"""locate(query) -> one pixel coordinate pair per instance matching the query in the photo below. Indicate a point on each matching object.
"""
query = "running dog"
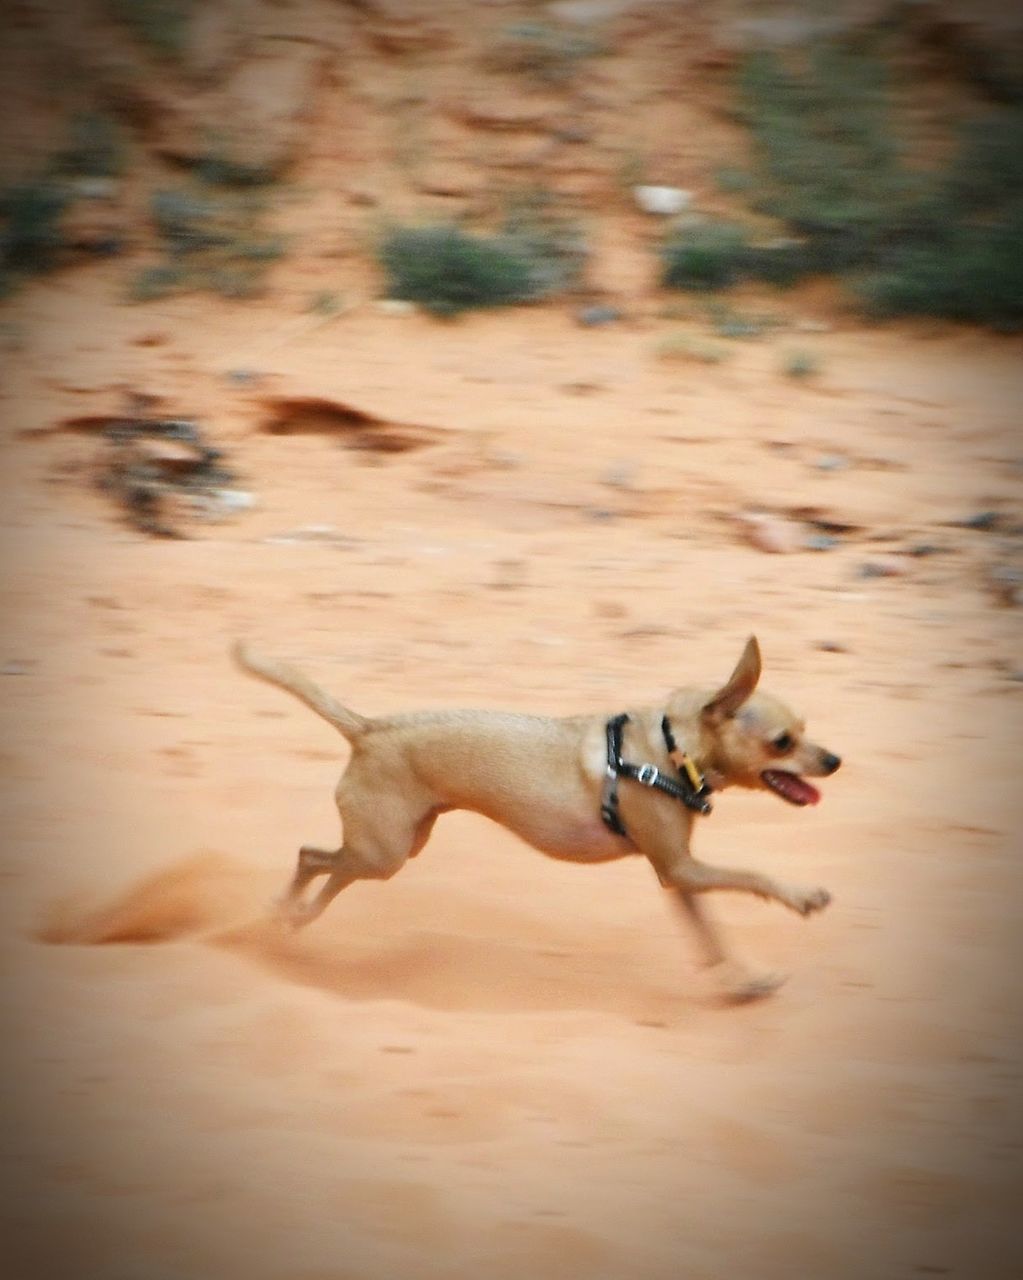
(570, 787)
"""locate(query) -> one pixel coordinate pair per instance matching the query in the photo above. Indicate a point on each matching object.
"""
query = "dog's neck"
(683, 711)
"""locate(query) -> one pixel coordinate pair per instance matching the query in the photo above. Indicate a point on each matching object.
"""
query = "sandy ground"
(495, 1065)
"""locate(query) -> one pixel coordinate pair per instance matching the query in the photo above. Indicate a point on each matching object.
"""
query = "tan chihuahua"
(555, 784)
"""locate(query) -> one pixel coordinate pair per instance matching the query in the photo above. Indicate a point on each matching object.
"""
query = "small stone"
(325, 533)
(573, 134)
(487, 112)
(96, 188)
(14, 668)
(506, 459)
(831, 462)
(12, 337)
(822, 542)
(982, 520)
(586, 12)
(665, 202)
(363, 197)
(883, 567)
(509, 575)
(243, 377)
(594, 316)
(769, 533)
(622, 475)
(151, 338)
(449, 180)
(94, 227)
(396, 307)
(231, 500)
(830, 646)
(1006, 583)
(167, 454)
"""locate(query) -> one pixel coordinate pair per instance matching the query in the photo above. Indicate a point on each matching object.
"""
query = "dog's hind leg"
(345, 867)
(311, 863)
(373, 852)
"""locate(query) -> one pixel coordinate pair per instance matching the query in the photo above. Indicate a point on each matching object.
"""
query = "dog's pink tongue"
(808, 792)
(790, 785)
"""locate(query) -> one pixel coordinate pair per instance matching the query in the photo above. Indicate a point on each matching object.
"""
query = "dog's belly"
(566, 837)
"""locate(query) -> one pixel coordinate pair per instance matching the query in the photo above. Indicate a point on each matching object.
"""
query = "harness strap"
(609, 798)
(685, 763)
(690, 787)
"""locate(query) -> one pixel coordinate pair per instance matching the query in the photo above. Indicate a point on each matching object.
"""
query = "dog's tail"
(348, 723)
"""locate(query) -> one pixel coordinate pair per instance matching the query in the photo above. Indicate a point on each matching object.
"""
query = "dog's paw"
(807, 901)
(291, 914)
(740, 986)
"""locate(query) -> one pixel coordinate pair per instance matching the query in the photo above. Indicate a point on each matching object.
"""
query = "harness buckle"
(648, 774)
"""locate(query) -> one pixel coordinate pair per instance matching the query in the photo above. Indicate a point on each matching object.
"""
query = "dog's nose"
(831, 762)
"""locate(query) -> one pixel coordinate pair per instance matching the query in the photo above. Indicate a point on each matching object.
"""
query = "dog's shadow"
(514, 967)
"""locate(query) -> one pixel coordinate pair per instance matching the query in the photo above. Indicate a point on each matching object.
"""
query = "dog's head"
(750, 739)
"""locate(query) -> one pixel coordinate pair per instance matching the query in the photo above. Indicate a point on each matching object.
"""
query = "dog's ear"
(741, 683)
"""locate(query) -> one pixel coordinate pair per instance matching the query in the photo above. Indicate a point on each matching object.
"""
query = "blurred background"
(510, 354)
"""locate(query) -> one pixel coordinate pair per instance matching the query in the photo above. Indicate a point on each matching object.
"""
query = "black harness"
(690, 786)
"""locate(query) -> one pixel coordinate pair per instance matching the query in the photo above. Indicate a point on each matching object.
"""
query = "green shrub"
(831, 166)
(94, 147)
(785, 260)
(30, 236)
(683, 347)
(217, 168)
(733, 180)
(156, 281)
(706, 256)
(972, 273)
(553, 244)
(715, 255)
(449, 270)
(160, 24)
(800, 364)
(214, 242)
(186, 220)
(546, 52)
(326, 303)
(729, 323)
(962, 258)
(987, 170)
(942, 243)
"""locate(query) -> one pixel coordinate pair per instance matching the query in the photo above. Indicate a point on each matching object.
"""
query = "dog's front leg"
(687, 879)
(706, 931)
(737, 982)
(690, 876)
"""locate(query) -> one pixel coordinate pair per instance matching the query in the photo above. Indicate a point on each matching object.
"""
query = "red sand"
(495, 1065)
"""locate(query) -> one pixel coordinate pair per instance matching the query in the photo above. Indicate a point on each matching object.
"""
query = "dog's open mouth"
(790, 786)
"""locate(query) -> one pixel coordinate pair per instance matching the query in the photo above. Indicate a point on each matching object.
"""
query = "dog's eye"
(783, 743)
